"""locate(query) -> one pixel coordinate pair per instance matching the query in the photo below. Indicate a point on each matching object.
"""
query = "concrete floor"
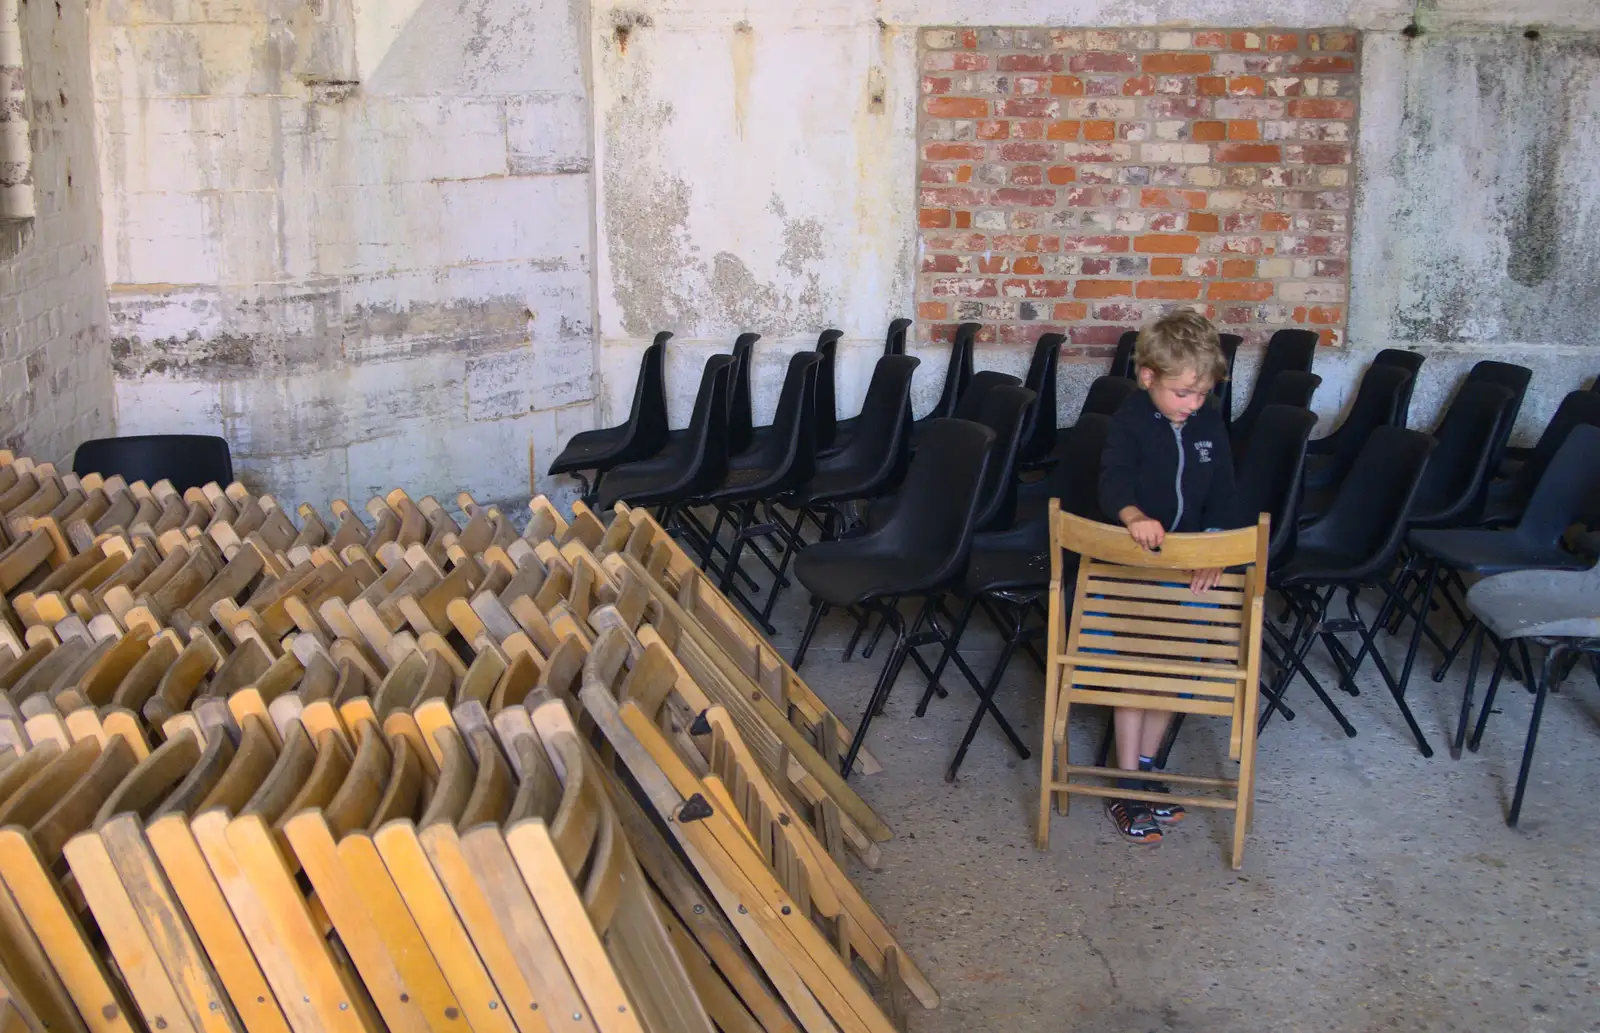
(1380, 890)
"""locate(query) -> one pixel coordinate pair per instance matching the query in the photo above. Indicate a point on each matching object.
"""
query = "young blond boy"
(1167, 467)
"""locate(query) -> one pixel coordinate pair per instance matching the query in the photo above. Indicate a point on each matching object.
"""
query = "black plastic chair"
(827, 394)
(1450, 495)
(1378, 403)
(1106, 395)
(1452, 491)
(1122, 358)
(1294, 388)
(998, 402)
(1039, 436)
(782, 461)
(1508, 375)
(1508, 498)
(185, 460)
(894, 343)
(1407, 360)
(872, 465)
(957, 375)
(1269, 475)
(1033, 499)
(976, 396)
(641, 437)
(1008, 576)
(1005, 411)
(1288, 350)
(921, 551)
(874, 461)
(1562, 498)
(691, 466)
(1351, 547)
(741, 407)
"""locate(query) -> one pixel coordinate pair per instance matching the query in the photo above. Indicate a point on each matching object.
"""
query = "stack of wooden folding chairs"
(418, 774)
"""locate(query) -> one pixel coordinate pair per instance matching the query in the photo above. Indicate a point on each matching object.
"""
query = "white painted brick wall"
(55, 371)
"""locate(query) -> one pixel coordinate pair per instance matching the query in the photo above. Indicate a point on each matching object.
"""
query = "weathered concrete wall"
(1478, 201)
(749, 160)
(353, 239)
(55, 369)
(718, 129)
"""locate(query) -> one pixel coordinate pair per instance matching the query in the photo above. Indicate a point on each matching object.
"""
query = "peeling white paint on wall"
(55, 375)
(359, 242)
(749, 163)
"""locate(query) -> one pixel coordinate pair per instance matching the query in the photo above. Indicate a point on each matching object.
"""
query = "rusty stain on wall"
(744, 56)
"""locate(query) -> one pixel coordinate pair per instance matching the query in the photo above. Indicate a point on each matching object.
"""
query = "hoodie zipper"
(1177, 484)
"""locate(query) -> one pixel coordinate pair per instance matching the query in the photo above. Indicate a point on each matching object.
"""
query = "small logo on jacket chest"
(1202, 451)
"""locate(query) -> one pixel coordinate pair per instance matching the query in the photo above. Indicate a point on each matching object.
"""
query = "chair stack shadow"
(411, 774)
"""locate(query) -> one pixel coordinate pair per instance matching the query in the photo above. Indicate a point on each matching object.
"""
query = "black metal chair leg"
(1404, 579)
(1269, 690)
(880, 694)
(1395, 691)
(1466, 695)
(1421, 617)
(1169, 740)
(791, 546)
(1454, 650)
(1488, 700)
(872, 643)
(1297, 663)
(817, 608)
(713, 546)
(855, 636)
(944, 658)
(741, 520)
(1280, 681)
(986, 704)
(1551, 657)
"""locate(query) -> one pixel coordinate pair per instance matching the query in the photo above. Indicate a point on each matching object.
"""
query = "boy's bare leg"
(1153, 731)
(1139, 734)
(1130, 722)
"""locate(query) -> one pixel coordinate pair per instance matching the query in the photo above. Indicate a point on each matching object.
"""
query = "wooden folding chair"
(1133, 634)
(478, 873)
(38, 818)
(617, 908)
(820, 989)
(661, 556)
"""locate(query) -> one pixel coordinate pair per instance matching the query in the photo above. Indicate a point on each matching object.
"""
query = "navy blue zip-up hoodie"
(1179, 474)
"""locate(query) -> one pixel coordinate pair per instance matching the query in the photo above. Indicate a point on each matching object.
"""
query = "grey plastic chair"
(1559, 610)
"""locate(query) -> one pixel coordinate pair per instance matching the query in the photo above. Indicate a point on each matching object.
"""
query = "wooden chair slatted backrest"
(1130, 632)
(624, 915)
(1136, 625)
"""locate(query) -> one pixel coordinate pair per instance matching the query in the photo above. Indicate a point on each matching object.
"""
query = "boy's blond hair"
(1179, 341)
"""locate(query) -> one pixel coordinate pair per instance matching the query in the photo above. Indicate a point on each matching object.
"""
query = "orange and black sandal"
(1133, 821)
